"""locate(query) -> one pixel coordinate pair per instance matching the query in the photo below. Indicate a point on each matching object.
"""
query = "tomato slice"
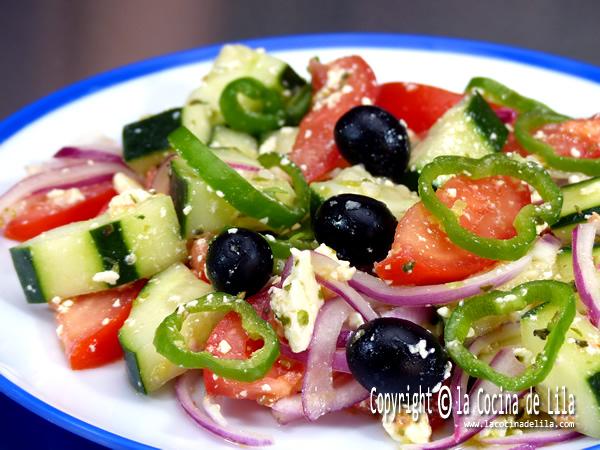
(229, 340)
(423, 254)
(419, 105)
(198, 250)
(88, 325)
(577, 138)
(40, 213)
(338, 87)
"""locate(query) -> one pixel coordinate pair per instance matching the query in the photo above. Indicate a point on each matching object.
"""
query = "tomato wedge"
(41, 212)
(229, 340)
(88, 325)
(578, 138)
(338, 87)
(423, 254)
(419, 105)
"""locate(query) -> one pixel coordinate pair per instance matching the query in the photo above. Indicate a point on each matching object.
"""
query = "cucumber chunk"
(577, 366)
(224, 137)
(145, 141)
(469, 129)
(580, 200)
(236, 61)
(147, 369)
(198, 208)
(279, 141)
(196, 116)
(564, 263)
(134, 243)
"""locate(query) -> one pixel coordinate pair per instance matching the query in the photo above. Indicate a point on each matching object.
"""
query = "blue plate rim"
(30, 113)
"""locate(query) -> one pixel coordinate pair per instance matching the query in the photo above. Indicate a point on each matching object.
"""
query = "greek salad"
(332, 244)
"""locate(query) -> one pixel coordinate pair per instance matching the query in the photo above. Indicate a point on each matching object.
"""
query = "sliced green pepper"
(532, 120)
(170, 343)
(500, 94)
(525, 221)
(270, 116)
(282, 247)
(236, 190)
(499, 303)
(298, 105)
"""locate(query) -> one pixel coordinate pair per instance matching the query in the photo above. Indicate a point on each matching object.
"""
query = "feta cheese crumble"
(108, 276)
(298, 302)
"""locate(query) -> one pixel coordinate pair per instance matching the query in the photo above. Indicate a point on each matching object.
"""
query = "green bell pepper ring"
(499, 303)
(271, 115)
(500, 94)
(525, 221)
(298, 105)
(528, 122)
(170, 343)
(236, 190)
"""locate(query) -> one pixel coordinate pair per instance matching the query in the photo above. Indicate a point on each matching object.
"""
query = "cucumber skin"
(25, 268)
(133, 369)
(564, 227)
(153, 137)
(113, 251)
(179, 193)
(487, 122)
(594, 382)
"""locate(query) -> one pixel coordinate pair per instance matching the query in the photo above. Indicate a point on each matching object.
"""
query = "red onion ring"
(339, 362)
(536, 439)
(445, 293)
(460, 380)
(161, 181)
(353, 298)
(72, 176)
(506, 115)
(319, 396)
(88, 154)
(243, 167)
(88, 182)
(584, 270)
(418, 314)
(505, 361)
(290, 409)
(191, 381)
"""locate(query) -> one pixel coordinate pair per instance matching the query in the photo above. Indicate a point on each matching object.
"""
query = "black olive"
(371, 136)
(359, 228)
(389, 354)
(239, 260)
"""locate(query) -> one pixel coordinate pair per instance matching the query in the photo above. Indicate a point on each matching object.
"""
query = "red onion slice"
(353, 298)
(71, 176)
(242, 167)
(319, 396)
(418, 314)
(504, 361)
(460, 380)
(338, 364)
(506, 115)
(161, 181)
(536, 438)
(586, 279)
(89, 154)
(440, 294)
(88, 182)
(212, 421)
(289, 409)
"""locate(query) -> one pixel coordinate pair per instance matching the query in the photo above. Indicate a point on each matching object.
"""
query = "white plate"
(99, 404)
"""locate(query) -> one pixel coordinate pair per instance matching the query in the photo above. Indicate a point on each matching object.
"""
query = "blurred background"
(48, 44)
